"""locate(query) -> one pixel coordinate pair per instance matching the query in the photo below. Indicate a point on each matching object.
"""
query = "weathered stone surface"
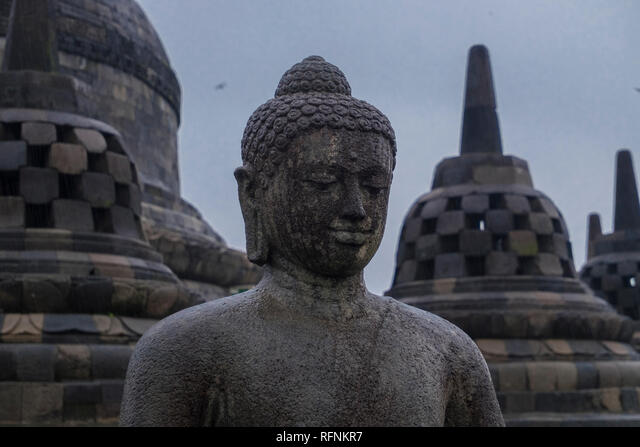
(73, 362)
(328, 228)
(92, 140)
(499, 263)
(475, 242)
(97, 189)
(477, 203)
(524, 243)
(517, 204)
(68, 158)
(12, 212)
(499, 221)
(449, 265)
(11, 398)
(38, 185)
(38, 134)
(119, 167)
(13, 155)
(74, 215)
(450, 222)
(123, 222)
(42, 402)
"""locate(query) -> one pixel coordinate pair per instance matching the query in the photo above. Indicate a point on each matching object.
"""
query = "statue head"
(317, 168)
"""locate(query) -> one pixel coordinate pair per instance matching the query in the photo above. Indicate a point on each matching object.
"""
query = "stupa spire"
(480, 127)
(594, 231)
(31, 39)
(627, 207)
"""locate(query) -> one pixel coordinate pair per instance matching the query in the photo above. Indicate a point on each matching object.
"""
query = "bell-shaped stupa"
(79, 283)
(115, 57)
(612, 269)
(491, 254)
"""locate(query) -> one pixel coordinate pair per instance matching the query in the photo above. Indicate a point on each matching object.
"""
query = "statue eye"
(321, 182)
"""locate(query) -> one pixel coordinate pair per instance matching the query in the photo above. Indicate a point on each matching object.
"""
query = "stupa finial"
(627, 207)
(31, 39)
(480, 127)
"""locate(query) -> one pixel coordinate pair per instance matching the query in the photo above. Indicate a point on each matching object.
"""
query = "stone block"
(499, 221)
(548, 207)
(522, 242)
(124, 223)
(119, 167)
(560, 245)
(412, 229)
(82, 393)
(109, 362)
(541, 376)
(38, 186)
(433, 208)
(10, 403)
(519, 402)
(38, 134)
(79, 413)
(450, 222)
(39, 295)
(427, 246)
(35, 363)
(68, 158)
(42, 402)
(13, 155)
(407, 271)
(587, 375)
(513, 377)
(97, 189)
(74, 215)
(73, 362)
(129, 196)
(598, 270)
(499, 263)
(567, 376)
(449, 265)
(12, 213)
(476, 203)
(475, 242)
(629, 400)
(611, 282)
(8, 364)
(91, 139)
(517, 204)
(628, 268)
(545, 264)
(540, 223)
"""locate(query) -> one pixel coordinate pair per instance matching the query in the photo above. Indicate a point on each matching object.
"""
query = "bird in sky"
(221, 86)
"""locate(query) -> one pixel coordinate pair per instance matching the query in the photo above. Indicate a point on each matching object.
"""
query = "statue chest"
(321, 379)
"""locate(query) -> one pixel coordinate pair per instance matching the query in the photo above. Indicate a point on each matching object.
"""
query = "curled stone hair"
(313, 94)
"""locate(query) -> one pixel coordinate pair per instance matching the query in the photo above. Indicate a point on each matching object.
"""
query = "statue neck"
(300, 290)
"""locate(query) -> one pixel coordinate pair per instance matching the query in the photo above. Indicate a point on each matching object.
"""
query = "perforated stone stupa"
(79, 284)
(113, 54)
(488, 252)
(612, 269)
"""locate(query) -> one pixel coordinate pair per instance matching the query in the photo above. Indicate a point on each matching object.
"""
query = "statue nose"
(352, 207)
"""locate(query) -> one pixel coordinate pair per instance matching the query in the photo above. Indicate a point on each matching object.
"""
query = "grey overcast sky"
(565, 73)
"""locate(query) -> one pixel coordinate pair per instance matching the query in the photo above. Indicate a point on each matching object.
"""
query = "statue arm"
(160, 389)
(472, 400)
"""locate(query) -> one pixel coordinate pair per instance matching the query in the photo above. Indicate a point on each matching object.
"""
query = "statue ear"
(257, 244)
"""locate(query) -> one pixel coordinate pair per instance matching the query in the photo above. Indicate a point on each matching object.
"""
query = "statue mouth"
(347, 237)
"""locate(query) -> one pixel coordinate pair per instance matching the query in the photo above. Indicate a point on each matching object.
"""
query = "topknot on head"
(313, 75)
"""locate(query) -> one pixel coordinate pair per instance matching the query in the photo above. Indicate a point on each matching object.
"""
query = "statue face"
(326, 207)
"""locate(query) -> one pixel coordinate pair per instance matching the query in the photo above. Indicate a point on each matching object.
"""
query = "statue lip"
(350, 236)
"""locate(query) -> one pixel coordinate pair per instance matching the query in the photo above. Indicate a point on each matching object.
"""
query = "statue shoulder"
(433, 328)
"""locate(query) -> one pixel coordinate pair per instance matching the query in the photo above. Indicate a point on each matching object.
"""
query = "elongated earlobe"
(257, 244)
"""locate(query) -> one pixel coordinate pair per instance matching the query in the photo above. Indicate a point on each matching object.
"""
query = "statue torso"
(271, 366)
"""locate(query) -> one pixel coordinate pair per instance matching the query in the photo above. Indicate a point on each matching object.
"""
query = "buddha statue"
(309, 345)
